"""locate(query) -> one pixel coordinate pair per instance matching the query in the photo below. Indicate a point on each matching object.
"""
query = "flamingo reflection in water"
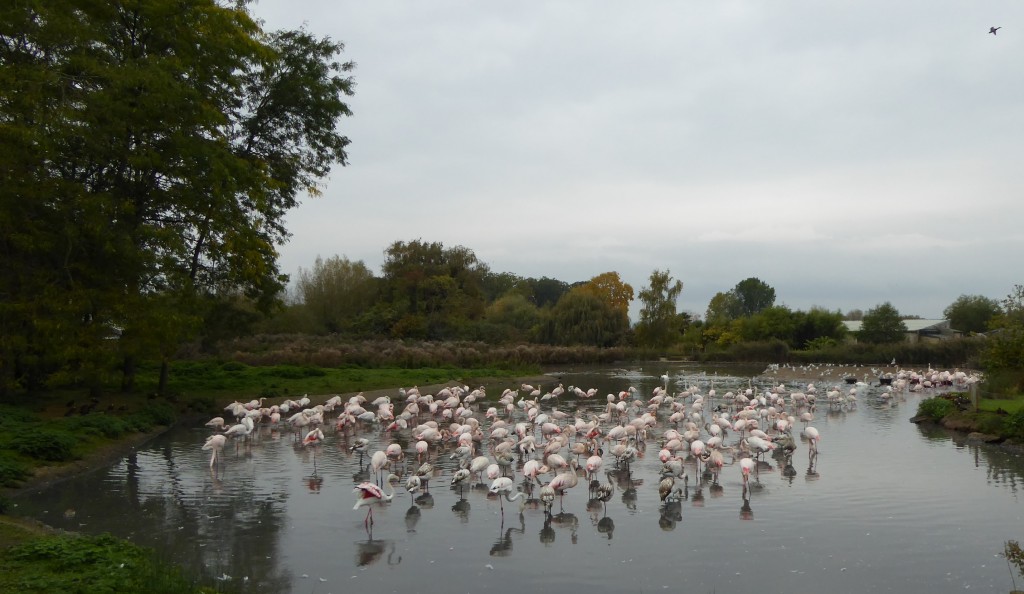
(371, 551)
(461, 510)
(812, 468)
(746, 513)
(502, 547)
(412, 517)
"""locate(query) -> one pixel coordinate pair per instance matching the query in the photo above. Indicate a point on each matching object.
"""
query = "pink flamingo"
(747, 466)
(813, 437)
(370, 494)
(215, 443)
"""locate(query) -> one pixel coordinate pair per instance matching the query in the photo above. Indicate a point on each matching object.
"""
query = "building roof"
(913, 325)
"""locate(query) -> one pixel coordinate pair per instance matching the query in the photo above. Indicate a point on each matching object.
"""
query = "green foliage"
(659, 325)
(1014, 425)
(43, 444)
(581, 318)
(513, 317)
(431, 287)
(1004, 353)
(336, 291)
(962, 352)
(821, 343)
(149, 153)
(98, 424)
(753, 296)
(12, 470)
(882, 325)
(972, 313)
(935, 408)
(87, 565)
(770, 351)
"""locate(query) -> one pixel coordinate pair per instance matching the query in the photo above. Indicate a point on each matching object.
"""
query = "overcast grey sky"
(846, 153)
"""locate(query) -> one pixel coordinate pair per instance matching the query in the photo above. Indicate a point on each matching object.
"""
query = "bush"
(12, 470)
(935, 408)
(44, 444)
(1014, 425)
(97, 424)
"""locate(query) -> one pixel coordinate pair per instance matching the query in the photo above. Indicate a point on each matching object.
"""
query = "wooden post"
(973, 391)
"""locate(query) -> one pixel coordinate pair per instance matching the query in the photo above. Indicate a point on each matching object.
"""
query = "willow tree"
(659, 323)
(336, 291)
(149, 150)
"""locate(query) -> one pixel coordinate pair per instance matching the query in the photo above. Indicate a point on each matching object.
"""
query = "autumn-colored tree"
(608, 287)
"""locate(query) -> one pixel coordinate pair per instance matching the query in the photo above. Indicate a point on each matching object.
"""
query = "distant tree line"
(148, 154)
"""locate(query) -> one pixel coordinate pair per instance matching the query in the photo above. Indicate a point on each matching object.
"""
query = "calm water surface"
(885, 507)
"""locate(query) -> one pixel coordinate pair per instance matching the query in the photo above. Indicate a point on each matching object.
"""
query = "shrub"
(103, 425)
(935, 408)
(1014, 425)
(12, 470)
(44, 444)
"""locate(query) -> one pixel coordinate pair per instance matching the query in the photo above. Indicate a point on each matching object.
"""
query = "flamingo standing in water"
(370, 494)
(313, 438)
(459, 479)
(502, 487)
(747, 466)
(215, 443)
(547, 497)
(813, 437)
(564, 481)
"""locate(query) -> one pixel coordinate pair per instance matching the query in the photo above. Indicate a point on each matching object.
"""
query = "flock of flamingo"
(552, 441)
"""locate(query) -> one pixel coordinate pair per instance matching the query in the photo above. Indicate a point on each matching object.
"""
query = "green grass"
(993, 405)
(30, 439)
(228, 381)
(86, 565)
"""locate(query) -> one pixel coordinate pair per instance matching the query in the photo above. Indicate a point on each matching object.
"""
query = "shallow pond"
(886, 506)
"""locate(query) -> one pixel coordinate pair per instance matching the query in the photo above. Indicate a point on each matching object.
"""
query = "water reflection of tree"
(246, 526)
(1003, 468)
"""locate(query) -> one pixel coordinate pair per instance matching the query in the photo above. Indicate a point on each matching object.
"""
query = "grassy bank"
(33, 559)
(1001, 420)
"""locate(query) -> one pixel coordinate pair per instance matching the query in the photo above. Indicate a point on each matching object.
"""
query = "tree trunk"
(128, 374)
(161, 388)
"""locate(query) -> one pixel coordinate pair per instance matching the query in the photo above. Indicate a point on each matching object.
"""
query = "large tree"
(434, 289)
(972, 313)
(580, 317)
(610, 288)
(752, 296)
(148, 152)
(882, 325)
(659, 325)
